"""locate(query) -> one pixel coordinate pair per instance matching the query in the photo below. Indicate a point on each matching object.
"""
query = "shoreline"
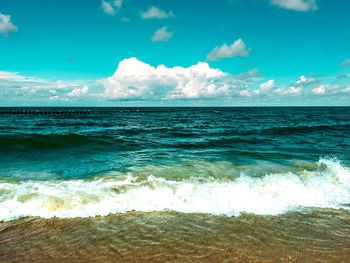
(175, 237)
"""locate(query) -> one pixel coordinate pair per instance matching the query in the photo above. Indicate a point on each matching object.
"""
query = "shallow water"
(176, 184)
(318, 236)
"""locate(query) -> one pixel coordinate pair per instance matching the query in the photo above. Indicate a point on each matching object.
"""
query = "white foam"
(326, 187)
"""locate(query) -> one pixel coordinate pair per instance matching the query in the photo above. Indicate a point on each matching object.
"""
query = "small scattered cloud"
(345, 63)
(111, 7)
(296, 5)
(6, 25)
(162, 35)
(237, 48)
(155, 13)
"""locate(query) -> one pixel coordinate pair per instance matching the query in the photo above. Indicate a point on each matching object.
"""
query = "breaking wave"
(327, 186)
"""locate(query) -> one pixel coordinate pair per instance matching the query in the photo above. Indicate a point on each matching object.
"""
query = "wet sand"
(314, 236)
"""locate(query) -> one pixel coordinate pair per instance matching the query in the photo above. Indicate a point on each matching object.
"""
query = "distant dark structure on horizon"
(43, 112)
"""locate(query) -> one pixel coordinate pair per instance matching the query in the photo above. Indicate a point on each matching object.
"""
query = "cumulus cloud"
(324, 89)
(320, 90)
(14, 86)
(237, 48)
(155, 13)
(111, 7)
(136, 79)
(162, 35)
(78, 92)
(267, 85)
(265, 88)
(296, 5)
(304, 81)
(290, 91)
(6, 25)
(269, 89)
(245, 93)
(345, 63)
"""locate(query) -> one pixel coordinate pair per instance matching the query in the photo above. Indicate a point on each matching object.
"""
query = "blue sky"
(258, 52)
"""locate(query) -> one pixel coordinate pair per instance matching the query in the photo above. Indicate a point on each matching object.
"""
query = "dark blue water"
(117, 139)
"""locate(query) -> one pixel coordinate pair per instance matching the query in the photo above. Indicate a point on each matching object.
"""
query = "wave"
(302, 129)
(327, 186)
(165, 136)
(47, 141)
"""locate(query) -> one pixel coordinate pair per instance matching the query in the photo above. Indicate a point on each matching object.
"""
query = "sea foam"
(328, 186)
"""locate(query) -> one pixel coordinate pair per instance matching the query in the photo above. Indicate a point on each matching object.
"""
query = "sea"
(232, 184)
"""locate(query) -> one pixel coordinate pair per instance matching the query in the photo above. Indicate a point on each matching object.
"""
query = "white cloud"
(267, 85)
(16, 87)
(320, 90)
(249, 76)
(304, 81)
(55, 98)
(265, 88)
(291, 91)
(78, 92)
(324, 89)
(5, 75)
(237, 48)
(296, 5)
(138, 80)
(111, 7)
(155, 13)
(135, 80)
(269, 89)
(162, 35)
(345, 63)
(6, 25)
(245, 93)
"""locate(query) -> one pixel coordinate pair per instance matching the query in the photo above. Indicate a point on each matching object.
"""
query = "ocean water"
(161, 181)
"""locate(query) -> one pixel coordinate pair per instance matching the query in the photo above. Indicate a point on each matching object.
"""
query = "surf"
(326, 186)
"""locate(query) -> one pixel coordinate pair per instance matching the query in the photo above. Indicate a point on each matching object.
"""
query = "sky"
(174, 53)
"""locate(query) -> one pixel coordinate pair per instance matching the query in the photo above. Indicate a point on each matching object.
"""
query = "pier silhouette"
(43, 112)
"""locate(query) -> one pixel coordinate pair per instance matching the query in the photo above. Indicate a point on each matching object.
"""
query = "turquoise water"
(222, 161)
